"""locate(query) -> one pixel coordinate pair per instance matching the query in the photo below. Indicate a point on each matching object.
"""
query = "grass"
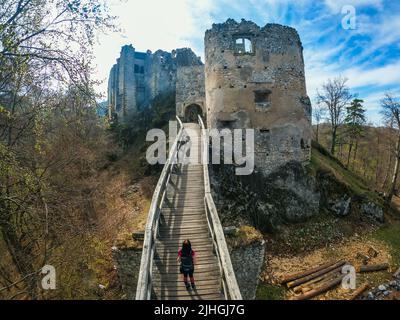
(322, 160)
(245, 236)
(391, 236)
(270, 292)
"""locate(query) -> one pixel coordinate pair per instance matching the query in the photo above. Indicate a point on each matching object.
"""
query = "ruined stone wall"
(190, 88)
(127, 262)
(138, 77)
(255, 79)
(163, 73)
(247, 262)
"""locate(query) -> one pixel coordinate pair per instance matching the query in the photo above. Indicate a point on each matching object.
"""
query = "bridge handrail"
(229, 282)
(144, 285)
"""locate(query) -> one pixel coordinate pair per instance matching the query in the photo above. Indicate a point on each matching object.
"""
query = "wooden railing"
(230, 287)
(144, 286)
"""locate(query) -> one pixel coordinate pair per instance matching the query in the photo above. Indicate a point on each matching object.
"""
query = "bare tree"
(318, 115)
(334, 96)
(46, 46)
(391, 115)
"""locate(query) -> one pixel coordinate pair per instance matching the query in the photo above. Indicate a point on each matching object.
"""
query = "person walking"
(187, 259)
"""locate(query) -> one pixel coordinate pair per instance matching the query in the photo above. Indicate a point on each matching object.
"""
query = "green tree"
(354, 121)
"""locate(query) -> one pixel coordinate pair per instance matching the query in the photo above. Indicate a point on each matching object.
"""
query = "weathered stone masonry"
(254, 78)
(138, 77)
(190, 91)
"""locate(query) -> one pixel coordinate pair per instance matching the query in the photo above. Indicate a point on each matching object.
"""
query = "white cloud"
(381, 76)
(152, 24)
(336, 5)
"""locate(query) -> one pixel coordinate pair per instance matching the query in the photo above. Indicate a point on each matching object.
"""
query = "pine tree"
(355, 120)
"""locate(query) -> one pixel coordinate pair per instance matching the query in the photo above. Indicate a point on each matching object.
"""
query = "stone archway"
(191, 113)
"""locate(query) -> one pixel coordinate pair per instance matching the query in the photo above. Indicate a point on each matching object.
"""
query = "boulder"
(341, 207)
(373, 211)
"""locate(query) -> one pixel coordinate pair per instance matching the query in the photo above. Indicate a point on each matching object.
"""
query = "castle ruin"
(138, 77)
(253, 78)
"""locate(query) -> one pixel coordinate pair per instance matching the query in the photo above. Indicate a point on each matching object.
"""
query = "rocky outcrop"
(292, 193)
(384, 291)
(288, 195)
(372, 210)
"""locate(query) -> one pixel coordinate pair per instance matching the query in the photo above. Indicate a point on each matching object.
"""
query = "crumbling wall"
(122, 84)
(247, 262)
(190, 88)
(138, 77)
(127, 262)
(254, 78)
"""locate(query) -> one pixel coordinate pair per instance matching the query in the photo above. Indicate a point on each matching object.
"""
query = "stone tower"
(122, 84)
(254, 78)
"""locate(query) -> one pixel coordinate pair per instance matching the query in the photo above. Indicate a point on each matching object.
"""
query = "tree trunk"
(349, 154)
(333, 145)
(378, 162)
(317, 134)
(355, 153)
(22, 259)
(385, 181)
(395, 172)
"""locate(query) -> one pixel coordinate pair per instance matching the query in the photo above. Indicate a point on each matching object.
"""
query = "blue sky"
(367, 55)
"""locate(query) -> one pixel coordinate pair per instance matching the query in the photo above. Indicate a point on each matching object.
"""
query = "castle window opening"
(262, 96)
(243, 45)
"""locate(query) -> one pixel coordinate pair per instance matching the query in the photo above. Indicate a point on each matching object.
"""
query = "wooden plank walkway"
(183, 217)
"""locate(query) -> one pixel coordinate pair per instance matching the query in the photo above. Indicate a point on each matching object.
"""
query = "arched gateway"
(192, 112)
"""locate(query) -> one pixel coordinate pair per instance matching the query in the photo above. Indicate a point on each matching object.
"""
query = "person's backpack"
(187, 262)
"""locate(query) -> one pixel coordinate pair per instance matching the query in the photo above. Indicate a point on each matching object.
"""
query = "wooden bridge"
(182, 208)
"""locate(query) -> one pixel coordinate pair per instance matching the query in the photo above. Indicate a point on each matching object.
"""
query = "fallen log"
(317, 291)
(314, 281)
(305, 289)
(373, 267)
(301, 274)
(315, 274)
(359, 291)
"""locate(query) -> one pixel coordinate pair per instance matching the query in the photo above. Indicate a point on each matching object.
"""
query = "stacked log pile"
(318, 280)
